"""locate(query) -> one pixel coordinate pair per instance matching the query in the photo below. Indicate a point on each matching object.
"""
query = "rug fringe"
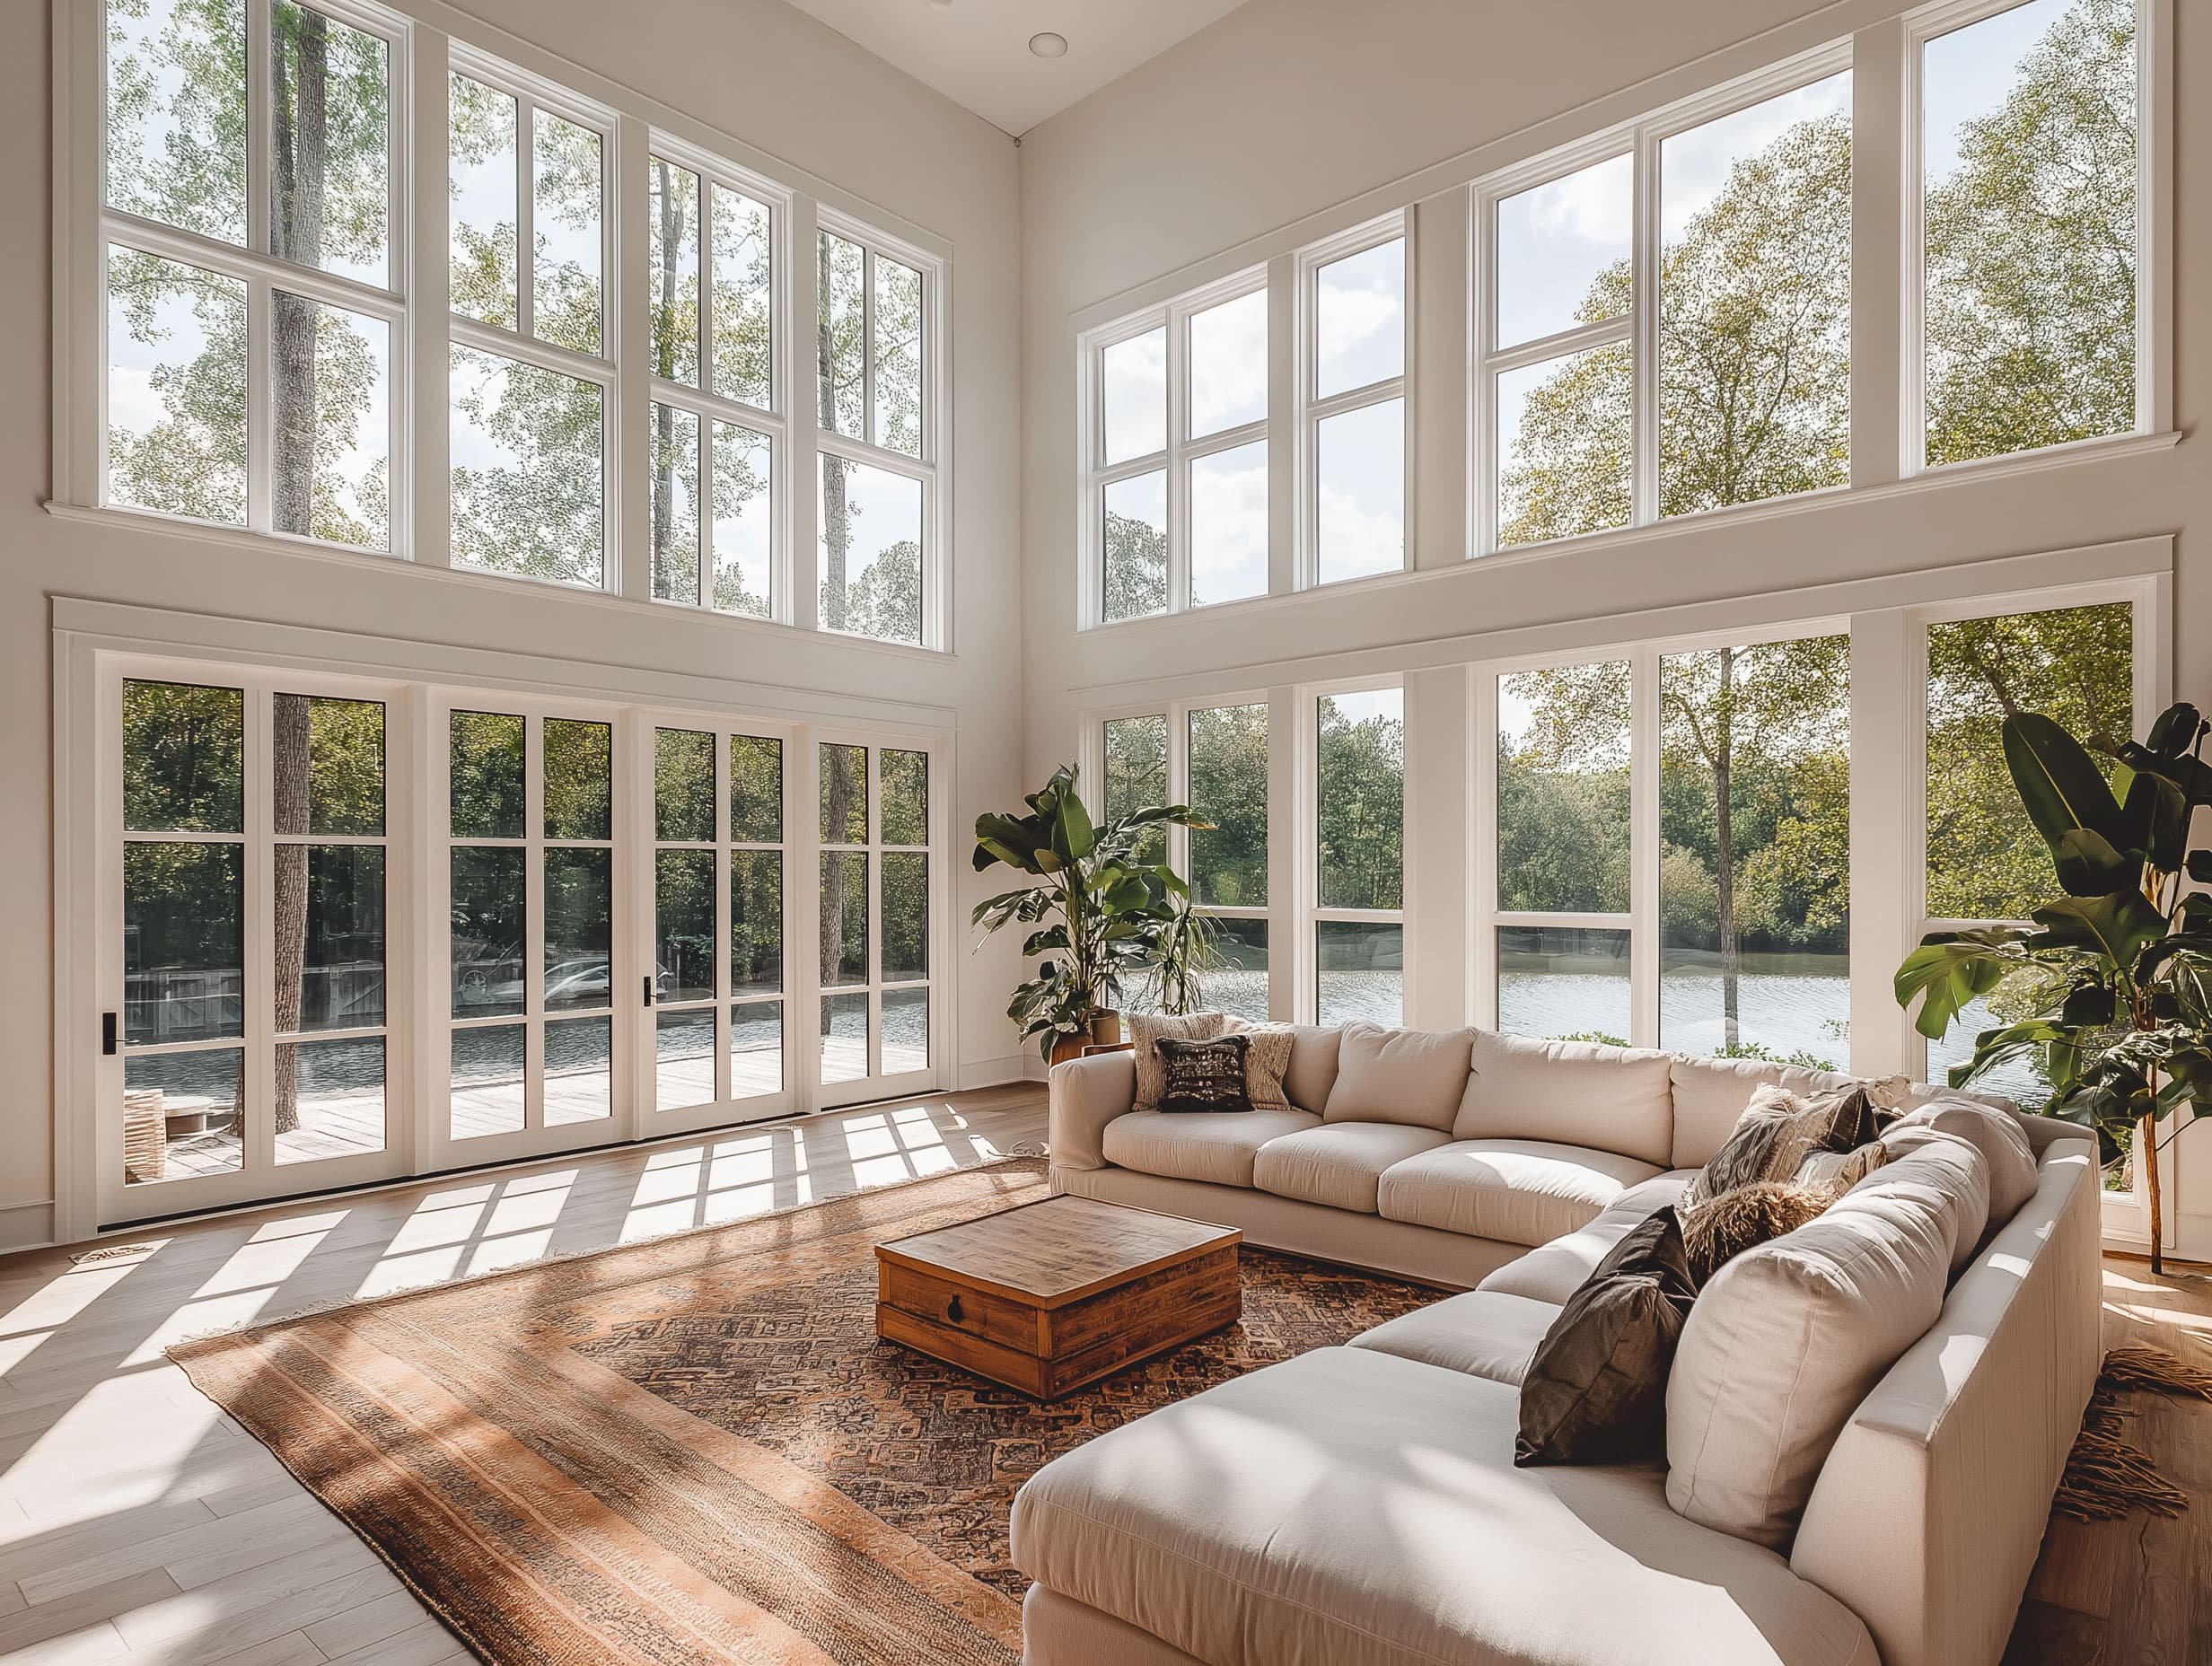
(2107, 1476)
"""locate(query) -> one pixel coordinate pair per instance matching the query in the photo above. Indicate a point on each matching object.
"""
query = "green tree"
(1361, 804)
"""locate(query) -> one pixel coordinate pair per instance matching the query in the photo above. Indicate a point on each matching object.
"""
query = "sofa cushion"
(1710, 1095)
(1998, 1137)
(1214, 1146)
(1480, 1332)
(1949, 1172)
(1339, 1163)
(1312, 1071)
(1352, 1507)
(1520, 1191)
(1575, 1092)
(1413, 1076)
(1789, 1337)
(1553, 1271)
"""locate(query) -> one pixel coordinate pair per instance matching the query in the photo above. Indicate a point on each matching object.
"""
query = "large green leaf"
(2176, 729)
(2059, 784)
(1951, 968)
(2113, 927)
(2157, 815)
(1072, 833)
(2088, 866)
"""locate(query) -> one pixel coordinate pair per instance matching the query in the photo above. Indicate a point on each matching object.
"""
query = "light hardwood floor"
(138, 1524)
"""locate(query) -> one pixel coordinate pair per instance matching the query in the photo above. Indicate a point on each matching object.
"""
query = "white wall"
(756, 69)
(1287, 110)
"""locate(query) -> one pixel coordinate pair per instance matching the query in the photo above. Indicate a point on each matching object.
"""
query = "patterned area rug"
(696, 1449)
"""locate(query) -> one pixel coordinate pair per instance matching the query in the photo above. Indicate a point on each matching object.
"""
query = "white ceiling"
(976, 52)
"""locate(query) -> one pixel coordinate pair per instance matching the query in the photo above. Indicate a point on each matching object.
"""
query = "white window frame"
(1311, 914)
(936, 584)
(1173, 460)
(709, 406)
(1310, 410)
(1641, 140)
(2153, 362)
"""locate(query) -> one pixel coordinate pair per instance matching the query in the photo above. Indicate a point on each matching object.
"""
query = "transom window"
(1352, 402)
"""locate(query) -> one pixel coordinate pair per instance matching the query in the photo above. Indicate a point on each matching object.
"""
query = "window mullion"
(1643, 507)
(1885, 331)
(425, 413)
(1284, 402)
(260, 128)
(1178, 495)
(1644, 846)
(628, 439)
(525, 218)
(867, 345)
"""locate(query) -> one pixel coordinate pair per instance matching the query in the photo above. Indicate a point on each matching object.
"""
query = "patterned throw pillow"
(1266, 1063)
(1145, 1030)
(1728, 1225)
(1203, 1075)
(1778, 1132)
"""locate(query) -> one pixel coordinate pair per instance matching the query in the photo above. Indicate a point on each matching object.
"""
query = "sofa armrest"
(1083, 1095)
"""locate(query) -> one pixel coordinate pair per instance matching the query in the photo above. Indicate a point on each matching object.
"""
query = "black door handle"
(107, 1034)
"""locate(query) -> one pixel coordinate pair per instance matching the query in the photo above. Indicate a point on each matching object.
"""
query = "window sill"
(227, 538)
(2106, 449)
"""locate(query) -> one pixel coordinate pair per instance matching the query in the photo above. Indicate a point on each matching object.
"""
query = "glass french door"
(874, 923)
(247, 1046)
(719, 1050)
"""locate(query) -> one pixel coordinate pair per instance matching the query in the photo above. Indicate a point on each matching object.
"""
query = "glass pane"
(184, 750)
(1563, 983)
(329, 115)
(579, 779)
(683, 1069)
(1362, 798)
(756, 1049)
(1361, 972)
(1229, 364)
(176, 387)
(683, 891)
(330, 1099)
(683, 784)
(906, 915)
(870, 544)
(1563, 252)
(1229, 788)
(905, 808)
(756, 788)
(1563, 790)
(579, 1070)
(480, 175)
(579, 930)
(844, 917)
(905, 1031)
(2028, 125)
(330, 383)
(842, 349)
(490, 932)
(2074, 665)
(1564, 446)
(744, 520)
(328, 919)
(672, 205)
(897, 357)
(1240, 987)
(1360, 528)
(1755, 303)
(1755, 837)
(175, 130)
(183, 943)
(742, 310)
(1229, 524)
(527, 492)
(844, 1038)
(756, 922)
(1359, 320)
(327, 758)
(487, 1081)
(180, 1114)
(1134, 541)
(844, 794)
(1133, 389)
(564, 219)
(673, 513)
(1136, 777)
(485, 781)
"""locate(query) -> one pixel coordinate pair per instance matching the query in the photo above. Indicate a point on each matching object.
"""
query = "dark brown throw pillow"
(1596, 1391)
(1777, 1132)
(1728, 1225)
(1203, 1075)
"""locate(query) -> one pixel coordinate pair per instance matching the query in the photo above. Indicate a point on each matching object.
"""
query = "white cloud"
(1229, 525)
(1591, 206)
(1353, 316)
(1694, 166)
(1355, 539)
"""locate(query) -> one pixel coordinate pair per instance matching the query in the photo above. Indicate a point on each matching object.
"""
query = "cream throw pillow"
(2000, 1139)
(1266, 1063)
(1414, 1077)
(1146, 1029)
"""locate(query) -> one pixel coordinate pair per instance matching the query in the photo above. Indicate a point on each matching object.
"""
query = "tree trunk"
(288, 761)
(2146, 1155)
(1725, 848)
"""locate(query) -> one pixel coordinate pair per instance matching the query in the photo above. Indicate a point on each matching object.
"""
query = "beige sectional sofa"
(1360, 1505)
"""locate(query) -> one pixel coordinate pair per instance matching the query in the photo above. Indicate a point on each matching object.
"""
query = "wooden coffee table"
(1050, 1295)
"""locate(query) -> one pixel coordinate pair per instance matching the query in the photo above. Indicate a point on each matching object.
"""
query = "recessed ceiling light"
(1049, 45)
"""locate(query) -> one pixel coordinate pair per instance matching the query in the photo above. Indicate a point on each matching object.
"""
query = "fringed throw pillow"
(1203, 1075)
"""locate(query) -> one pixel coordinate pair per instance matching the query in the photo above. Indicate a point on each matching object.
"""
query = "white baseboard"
(26, 1227)
(990, 1073)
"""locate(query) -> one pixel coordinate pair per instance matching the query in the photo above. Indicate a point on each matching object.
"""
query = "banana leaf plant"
(1106, 918)
(2119, 970)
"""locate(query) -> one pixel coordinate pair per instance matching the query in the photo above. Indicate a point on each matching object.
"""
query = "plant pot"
(1066, 1047)
(1105, 1028)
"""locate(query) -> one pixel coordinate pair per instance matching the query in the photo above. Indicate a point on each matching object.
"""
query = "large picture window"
(1360, 797)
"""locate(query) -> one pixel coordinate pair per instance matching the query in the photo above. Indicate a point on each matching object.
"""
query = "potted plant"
(1106, 918)
(2113, 988)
